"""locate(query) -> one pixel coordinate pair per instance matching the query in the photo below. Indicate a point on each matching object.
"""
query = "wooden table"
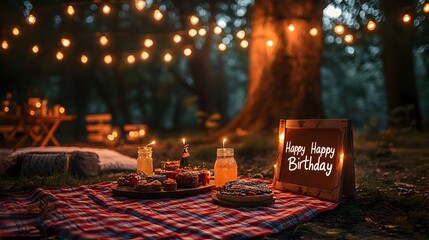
(40, 129)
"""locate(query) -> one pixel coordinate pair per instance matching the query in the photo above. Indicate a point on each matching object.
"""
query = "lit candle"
(225, 167)
(223, 142)
(185, 154)
(151, 143)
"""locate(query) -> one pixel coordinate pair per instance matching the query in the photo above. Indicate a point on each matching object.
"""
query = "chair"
(98, 126)
(135, 132)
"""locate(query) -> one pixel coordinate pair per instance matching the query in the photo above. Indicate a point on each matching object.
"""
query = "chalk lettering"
(322, 151)
(308, 165)
(294, 149)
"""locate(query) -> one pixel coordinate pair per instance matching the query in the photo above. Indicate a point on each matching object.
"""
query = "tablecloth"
(94, 212)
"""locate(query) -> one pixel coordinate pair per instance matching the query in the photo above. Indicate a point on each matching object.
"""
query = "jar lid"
(225, 152)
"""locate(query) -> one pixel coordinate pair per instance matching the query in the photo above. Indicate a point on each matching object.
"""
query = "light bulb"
(148, 42)
(106, 9)
(177, 38)
(140, 5)
(217, 30)
(84, 59)
(31, 19)
(4, 44)
(270, 43)
(202, 32)
(108, 59)
(157, 15)
(291, 27)
(187, 52)
(60, 55)
(426, 8)
(348, 38)
(131, 59)
(144, 55)
(241, 34)
(244, 43)
(371, 25)
(65, 42)
(192, 32)
(168, 57)
(70, 10)
(104, 40)
(222, 47)
(313, 32)
(339, 29)
(35, 49)
(15, 31)
(406, 18)
(194, 20)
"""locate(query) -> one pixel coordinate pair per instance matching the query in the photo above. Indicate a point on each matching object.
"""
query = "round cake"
(244, 191)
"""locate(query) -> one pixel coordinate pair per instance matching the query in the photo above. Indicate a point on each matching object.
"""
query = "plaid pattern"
(93, 212)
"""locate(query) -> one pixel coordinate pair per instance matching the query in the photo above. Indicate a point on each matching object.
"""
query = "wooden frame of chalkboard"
(316, 158)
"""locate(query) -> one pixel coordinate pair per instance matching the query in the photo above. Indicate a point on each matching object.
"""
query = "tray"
(241, 204)
(126, 191)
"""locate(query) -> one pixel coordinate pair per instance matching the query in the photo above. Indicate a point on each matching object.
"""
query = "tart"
(244, 191)
(156, 185)
(170, 185)
(187, 179)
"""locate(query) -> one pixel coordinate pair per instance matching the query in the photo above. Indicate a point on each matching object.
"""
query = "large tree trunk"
(398, 40)
(284, 80)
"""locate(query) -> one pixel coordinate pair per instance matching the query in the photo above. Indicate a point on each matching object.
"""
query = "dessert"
(140, 185)
(169, 174)
(170, 185)
(203, 177)
(187, 179)
(244, 191)
(147, 187)
(160, 178)
(156, 185)
(171, 165)
(122, 181)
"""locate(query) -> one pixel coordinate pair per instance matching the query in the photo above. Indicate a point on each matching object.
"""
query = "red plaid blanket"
(93, 212)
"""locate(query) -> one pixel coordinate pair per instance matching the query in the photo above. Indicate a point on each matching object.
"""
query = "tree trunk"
(284, 80)
(398, 40)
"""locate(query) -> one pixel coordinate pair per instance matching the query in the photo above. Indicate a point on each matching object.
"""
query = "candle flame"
(183, 141)
(223, 143)
(147, 145)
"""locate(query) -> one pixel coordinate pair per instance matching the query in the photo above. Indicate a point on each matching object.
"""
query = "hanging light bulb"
(106, 9)
(31, 19)
(194, 20)
(104, 40)
(192, 32)
(270, 43)
(65, 42)
(83, 59)
(406, 18)
(35, 49)
(241, 34)
(168, 57)
(157, 15)
(217, 30)
(148, 42)
(59, 55)
(313, 32)
(15, 31)
(348, 38)
(244, 43)
(371, 25)
(4, 45)
(202, 32)
(131, 59)
(108, 59)
(144, 55)
(426, 8)
(339, 29)
(140, 4)
(222, 47)
(291, 27)
(70, 10)
(177, 38)
(187, 52)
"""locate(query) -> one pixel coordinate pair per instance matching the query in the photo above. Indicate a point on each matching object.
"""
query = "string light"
(140, 5)
(108, 59)
(15, 31)
(339, 29)
(131, 59)
(244, 43)
(65, 42)
(144, 55)
(291, 27)
(371, 25)
(168, 57)
(148, 42)
(177, 38)
(194, 20)
(313, 32)
(4, 45)
(35, 49)
(59, 55)
(187, 52)
(83, 59)
(31, 19)
(241, 34)
(192, 32)
(217, 30)
(104, 40)
(270, 43)
(348, 38)
(106, 9)
(202, 32)
(426, 8)
(157, 15)
(70, 10)
(406, 18)
(222, 47)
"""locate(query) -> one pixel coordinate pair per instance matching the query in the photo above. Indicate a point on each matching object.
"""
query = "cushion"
(9, 165)
(84, 164)
(43, 164)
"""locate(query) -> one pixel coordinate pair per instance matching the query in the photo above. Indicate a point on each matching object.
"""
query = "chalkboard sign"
(315, 158)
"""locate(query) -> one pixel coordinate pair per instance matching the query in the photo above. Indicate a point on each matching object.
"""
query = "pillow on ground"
(33, 164)
(8, 165)
(84, 164)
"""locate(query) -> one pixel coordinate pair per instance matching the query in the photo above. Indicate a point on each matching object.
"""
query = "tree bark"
(398, 40)
(284, 80)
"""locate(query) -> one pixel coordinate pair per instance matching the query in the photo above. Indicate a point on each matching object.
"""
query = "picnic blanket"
(93, 212)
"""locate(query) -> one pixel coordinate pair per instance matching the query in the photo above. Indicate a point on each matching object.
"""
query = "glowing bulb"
(348, 38)
(70, 10)
(115, 134)
(202, 32)
(15, 31)
(131, 59)
(426, 8)
(108, 59)
(106, 9)
(177, 38)
(192, 32)
(222, 47)
(241, 34)
(371, 25)
(313, 32)
(339, 29)
(140, 4)
(270, 43)
(32, 112)
(60, 55)
(142, 132)
(6, 109)
(157, 15)
(62, 110)
(84, 59)
(38, 104)
(194, 20)
(31, 19)
(144, 55)
(291, 27)
(244, 43)
(104, 40)
(148, 42)
(217, 30)
(406, 18)
(110, 137)
(5, 45)
(187, 52)
(35, 49)
(168, 57)
(65, 42)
